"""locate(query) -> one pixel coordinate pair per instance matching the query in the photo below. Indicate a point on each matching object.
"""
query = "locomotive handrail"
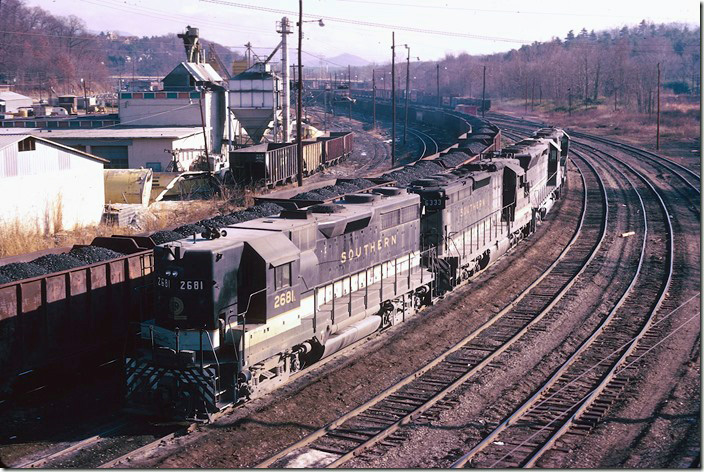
(244, 320)
(217, 363)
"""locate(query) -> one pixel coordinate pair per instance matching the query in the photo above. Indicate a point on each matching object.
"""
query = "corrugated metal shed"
(9, 139)
(120, 133)
(46, 186)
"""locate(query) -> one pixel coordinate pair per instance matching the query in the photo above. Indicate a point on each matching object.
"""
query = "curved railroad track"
(582, 389)
(378, 419)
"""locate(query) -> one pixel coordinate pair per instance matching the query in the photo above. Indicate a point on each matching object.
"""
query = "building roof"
(202, 72)
(10, 139)
(12, 96)
(116, 132)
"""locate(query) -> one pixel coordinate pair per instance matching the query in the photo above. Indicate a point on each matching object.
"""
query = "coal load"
(420, 170)
(93, 254)
(161, 237)
(19, 271)
(454, 159)
(475, 147)
(189, 230)
(57, 262)
(333, 191)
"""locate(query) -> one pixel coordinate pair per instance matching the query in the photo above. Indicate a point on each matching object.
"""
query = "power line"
(368, 23)
(485, 10)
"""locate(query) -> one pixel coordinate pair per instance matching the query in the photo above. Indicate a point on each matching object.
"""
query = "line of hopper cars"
(57, 322)
(271, 164)
(240, 309)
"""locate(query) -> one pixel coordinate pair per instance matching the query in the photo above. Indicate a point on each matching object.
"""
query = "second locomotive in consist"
(240, 309)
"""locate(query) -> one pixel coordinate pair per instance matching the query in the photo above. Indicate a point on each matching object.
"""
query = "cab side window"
(282, 276)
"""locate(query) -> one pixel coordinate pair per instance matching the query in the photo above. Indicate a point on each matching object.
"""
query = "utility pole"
(299, 132)
(657, 138)
(569, 108)
(325, 108)
(349, 90)
(437, 75)
(408, 69)
(85, 96)
(483, 90)
(393, 98)
(202, 123)
(374, 99)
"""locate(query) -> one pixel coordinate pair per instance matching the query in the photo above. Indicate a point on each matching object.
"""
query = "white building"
(46, 186)
(193, 96)
(10, 102)
(133, 147)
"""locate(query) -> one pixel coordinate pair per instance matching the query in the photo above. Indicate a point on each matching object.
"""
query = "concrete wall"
(50, 189)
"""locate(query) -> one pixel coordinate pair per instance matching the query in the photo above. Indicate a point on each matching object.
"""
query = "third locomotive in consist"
(241, 308)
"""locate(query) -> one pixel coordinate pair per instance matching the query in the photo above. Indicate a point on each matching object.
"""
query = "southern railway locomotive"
(241, 308)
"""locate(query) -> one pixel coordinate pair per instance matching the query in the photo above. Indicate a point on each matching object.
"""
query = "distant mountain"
(341, 60)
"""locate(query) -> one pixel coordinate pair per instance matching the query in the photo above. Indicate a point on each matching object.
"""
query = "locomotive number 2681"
(284, 298)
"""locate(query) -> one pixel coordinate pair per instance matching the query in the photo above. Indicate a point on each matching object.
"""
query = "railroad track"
(106, 441)
(376, 421)
(428, 143)
(580, 392)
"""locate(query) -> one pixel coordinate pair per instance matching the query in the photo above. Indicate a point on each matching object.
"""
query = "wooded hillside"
(39, 50)
(618, 65)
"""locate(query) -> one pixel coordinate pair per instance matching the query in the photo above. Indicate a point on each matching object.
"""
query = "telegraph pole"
(349, 91)
(483, 90)
(408, 69)
(393, 98)
(437, 74)
(657, 138)
(569, 108)
(299, 131)
(374, 99)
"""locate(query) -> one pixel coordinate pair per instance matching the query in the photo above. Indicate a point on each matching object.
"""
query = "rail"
(541, 396)
(443, 390)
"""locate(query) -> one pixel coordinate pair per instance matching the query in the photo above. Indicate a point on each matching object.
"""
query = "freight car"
(272, 164)
(65, 320)
(240, 309)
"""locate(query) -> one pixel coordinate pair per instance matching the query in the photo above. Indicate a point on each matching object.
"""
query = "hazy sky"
(471, 26)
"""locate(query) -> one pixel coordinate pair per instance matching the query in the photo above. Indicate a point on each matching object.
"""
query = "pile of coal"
(189, 229)
(20, 271)
(454, 159)
(419, 170)
(165, 236)
(259, 210)
(93, 254)
(336, 190)
(57, 262)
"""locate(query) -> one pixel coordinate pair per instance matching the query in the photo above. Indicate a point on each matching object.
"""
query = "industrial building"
(161, 149)
(11, 102)
(46, 186)
(193, 96)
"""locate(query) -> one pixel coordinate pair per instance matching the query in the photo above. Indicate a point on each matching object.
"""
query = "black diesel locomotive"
(242, 308)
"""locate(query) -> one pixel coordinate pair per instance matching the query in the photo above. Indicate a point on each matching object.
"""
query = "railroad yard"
(377, 276)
